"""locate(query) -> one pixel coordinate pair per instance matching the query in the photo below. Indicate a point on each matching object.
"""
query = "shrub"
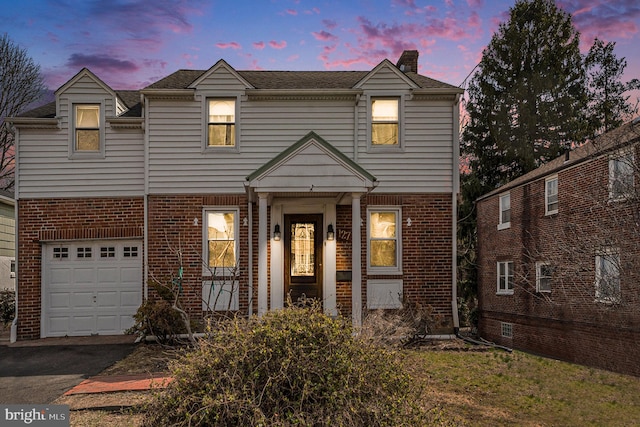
(294, 366)
(7, 305)
(158, 318)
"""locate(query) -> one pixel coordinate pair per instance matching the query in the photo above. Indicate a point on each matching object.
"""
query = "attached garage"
(90, 287)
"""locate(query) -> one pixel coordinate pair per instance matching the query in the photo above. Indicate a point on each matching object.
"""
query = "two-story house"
(252, 187)
(559, 256)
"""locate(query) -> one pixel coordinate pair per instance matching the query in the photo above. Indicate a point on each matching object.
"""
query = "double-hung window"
(544, 273)
(505, 277)
(221, 247)
(504, 220)
(551, 195)
(384, 240)
(385, 123)
(86, 128)
(621, 175)
(221, 122)
(608, 276)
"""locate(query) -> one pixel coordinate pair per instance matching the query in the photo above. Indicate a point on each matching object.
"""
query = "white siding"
(177, 163)
(45, 169)
(425, 164)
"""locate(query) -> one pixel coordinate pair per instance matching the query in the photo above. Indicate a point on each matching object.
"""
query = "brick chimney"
(408, 61)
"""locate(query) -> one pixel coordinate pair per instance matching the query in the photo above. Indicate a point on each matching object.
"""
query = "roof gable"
(311, 164)
(217, 67)
(386, 66)
(82, 74)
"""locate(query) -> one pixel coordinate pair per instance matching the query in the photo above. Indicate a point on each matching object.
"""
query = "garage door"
(91, 288)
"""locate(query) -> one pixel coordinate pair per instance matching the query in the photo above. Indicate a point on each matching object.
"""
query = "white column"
(356, 262)
(263, 238)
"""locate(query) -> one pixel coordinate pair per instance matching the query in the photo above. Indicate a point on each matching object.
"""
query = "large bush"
(295, 366)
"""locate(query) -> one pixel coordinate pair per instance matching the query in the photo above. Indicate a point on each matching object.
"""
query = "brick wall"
(175, 224)
(426, 249)
(426, 272)
(41, 220)
(567, 323)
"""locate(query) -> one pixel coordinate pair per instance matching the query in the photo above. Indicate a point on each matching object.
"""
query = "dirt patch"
(145, 359)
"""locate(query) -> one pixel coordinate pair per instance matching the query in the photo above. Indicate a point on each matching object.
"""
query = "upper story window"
(221, 247)
(87, 128)
(505, 277)
(621, 175)
(608, 276)
(385, 124)
(221, 122)
(544, 272)
(551, 195)
(384, 240)
(504, 220)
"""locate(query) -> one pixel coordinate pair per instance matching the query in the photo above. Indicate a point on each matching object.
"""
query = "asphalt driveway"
(39, 372)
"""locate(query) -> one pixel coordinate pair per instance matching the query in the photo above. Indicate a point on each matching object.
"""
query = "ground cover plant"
(295, 366)
(460, 385)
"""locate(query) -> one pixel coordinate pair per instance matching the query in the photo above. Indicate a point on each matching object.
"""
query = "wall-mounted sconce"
(276, 233)
(195, 221)
(330, 233)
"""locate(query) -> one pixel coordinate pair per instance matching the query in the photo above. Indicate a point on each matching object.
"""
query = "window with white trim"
(505, 277)
(385, 122)
(87, 134)
(544, 273)
(621, 175)
(608, 276)
(551, 195)
(504, 220)
(221, 122)
(221, 245)
(384, 241)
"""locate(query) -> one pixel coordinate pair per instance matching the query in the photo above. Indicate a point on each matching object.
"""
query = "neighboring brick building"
(559, 256)
(339, 186)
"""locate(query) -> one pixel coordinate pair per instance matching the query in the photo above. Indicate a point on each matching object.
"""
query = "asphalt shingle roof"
(616, 138)
(292, 80)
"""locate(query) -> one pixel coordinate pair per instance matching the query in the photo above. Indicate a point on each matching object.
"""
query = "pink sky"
(132, 43)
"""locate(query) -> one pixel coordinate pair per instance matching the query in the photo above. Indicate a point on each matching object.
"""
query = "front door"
(303, 257)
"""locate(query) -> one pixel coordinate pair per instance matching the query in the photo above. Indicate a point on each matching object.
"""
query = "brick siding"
(567, 323)
(43, 220)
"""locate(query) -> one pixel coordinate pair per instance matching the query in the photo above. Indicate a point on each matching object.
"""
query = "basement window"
(506, 330)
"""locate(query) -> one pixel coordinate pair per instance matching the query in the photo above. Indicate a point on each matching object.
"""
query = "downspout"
(355, 129)
(13, 334)
(250, 260)
(145, 234)
(454, 215)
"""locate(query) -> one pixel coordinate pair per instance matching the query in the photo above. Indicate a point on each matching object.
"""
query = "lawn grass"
(499, 388)
(484, 388)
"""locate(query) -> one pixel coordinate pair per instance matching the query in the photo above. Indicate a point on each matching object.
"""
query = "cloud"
(230, 45)
(291, 12)
(258, 45)
(101, 62)
(324, 36)
(278, 45)
(329, 23)
(475, 4)
(611, 20)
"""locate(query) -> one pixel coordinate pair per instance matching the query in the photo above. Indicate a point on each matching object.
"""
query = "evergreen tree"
(608, 107)
(526, 105)
(527, 101)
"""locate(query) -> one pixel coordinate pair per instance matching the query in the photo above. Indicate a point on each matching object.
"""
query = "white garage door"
(91, 288)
